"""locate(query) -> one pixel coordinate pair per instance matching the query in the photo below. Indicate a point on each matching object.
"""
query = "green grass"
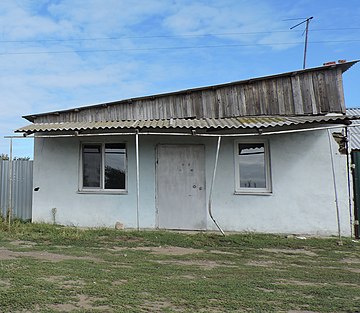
(47, 268)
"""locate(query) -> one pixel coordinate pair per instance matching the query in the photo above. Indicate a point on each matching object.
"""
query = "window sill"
(253, 193)
(106, 192)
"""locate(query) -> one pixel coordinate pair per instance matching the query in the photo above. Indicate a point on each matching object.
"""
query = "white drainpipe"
(212, 185)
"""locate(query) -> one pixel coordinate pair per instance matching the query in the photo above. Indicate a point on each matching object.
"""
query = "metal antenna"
(307, 21)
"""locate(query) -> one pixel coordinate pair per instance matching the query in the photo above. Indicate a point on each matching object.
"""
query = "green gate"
(355, 157)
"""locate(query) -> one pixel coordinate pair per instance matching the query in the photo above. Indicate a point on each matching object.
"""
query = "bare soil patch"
(300, 311)
(54, 279)
(23, 243)
(290, 251)
(188, 276)
(351, 261)
(156, 306)
(118, 248)
(5, 283)
(261, 263)
(299, 283)
(206, 264)
(41, 255)
(84, 303)
(222, 252)
(354, 270)
(170, 250)
(166, 250)
(63, 307)
(65, 283)
(119, 282)
(264, 289)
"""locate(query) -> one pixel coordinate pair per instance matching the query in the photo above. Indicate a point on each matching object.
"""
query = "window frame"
(267, 163)
(101, 189)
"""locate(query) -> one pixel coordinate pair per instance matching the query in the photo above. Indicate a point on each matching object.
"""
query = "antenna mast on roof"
(307, 21)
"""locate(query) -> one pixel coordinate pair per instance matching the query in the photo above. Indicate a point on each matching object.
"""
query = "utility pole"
(10, 202)
(307, 21)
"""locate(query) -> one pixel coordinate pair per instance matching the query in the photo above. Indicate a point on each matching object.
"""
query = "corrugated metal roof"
(206, 123)
(354, 131)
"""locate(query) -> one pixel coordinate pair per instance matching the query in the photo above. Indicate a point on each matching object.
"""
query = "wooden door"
(180, 182)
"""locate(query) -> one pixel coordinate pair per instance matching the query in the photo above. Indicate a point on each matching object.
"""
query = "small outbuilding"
(252, 155)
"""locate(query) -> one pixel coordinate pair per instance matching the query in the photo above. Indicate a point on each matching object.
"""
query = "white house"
(251, 155)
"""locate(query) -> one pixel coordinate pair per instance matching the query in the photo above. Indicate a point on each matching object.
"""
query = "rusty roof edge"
(343, 66)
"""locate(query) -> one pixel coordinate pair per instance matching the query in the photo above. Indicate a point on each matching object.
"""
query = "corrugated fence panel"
(4, 174)
(22, 185)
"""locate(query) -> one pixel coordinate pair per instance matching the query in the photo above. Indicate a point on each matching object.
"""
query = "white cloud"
(245, 21)
(99, 17)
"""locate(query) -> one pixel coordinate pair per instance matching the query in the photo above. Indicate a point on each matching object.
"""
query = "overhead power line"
(172, 36)
(174, 48)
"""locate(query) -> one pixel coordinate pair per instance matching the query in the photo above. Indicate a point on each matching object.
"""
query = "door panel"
(180, 192)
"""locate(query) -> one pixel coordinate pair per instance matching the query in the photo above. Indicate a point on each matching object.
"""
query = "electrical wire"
(176, 48)
(175, 36)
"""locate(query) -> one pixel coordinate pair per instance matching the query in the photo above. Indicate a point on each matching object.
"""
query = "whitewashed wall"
(302, 200)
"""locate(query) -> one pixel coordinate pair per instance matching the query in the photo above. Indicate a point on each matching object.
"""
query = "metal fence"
(21, 191)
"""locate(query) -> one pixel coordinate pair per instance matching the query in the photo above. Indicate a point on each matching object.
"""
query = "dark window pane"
(252, 165)
(115, 166)
(91, 165)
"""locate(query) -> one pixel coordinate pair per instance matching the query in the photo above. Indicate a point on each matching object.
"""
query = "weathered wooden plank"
(147, 110)
(320, 91)
(170, 109)
(234, 100)
(332, 91)
(155, 109)
(139, 113)
(183, 106)
(197, 104)
(160, 102)
(241, 101)
(128, 109)
(177, 104)
(256, 99)
(231, 108)
(271, 94)
(209, 102)
(249, 99)
(340, 88)
(280, 96)
(121, 112)
(297, 96)
(229, 105)
(221, 101)
(288, 99)
(263, 99)
(163, 108)
(189, 108)
(307, 94)
(217, 105)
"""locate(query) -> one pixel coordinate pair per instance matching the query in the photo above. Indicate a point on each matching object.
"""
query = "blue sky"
(58, 54)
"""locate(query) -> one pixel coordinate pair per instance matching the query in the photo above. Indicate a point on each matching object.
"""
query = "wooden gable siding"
(304, 93)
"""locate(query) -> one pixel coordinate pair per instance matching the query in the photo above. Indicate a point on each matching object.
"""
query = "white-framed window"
(252, 166)
(103, 167)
